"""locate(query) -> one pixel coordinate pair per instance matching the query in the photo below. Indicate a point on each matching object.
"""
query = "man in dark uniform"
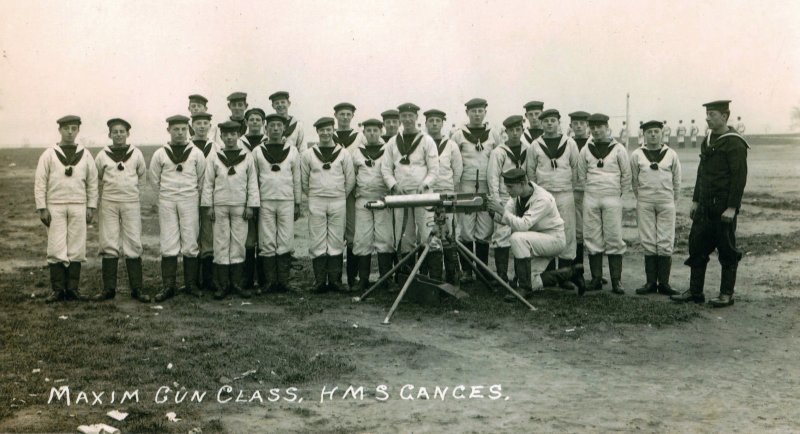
(532, 111)
(721, 177)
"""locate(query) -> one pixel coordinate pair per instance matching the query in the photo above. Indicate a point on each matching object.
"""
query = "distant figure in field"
(623, 134)
(739, 125)
(681, 132)
(666, 132)
(641, 134)
(693, 132)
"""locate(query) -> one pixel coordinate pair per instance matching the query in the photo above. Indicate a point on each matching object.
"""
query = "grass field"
(592, 364)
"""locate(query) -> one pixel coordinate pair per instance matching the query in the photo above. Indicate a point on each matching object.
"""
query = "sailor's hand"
(298, 211)
(728, 215)
(495, 206)
(421, 189)
(248, 213)
(89, 215)
(44, 216)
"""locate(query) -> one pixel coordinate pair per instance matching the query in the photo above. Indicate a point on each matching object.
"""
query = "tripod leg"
(491, 273)
(388, 274)
(407, 284)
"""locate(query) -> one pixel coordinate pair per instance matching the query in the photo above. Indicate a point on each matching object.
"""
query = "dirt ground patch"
(597, 364)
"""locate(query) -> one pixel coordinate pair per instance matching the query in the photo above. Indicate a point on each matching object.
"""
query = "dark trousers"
(708, 233)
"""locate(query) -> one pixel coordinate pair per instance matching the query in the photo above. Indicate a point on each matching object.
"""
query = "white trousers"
(578, 196)
(275, 227)
(205, 242)
(326, 220)
(230, 233)
(602, 225)
(120, 229)
(417, 230)
(475, 226)
(565, 202)
(539, 247)
(179, 227)
(656, 223)
(373, 230)
(66, 236)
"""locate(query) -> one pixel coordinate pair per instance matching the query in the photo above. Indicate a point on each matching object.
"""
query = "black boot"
(501, 262)
(694, 294)
(663, 270)
(109, 272)
(270, 266)
(566, 264)
(73, 281)
(579, 254)
(222, 277)
(320, 265)
(207, 274)
(435, 264)
(727, 282)
(385, 264)
(467, 275)
(260, 274)
(551, 265)
(236, 276)
(615, 270)
(190, 265)
(556, 277)
(283, 267)
(58, 279)
(334, 271)
(522, 269)
(249, 269)
(482, 252)
(353, 264)
(650, 271)
(364, 268)
(134, 267)
(169, 270)
(596, 269)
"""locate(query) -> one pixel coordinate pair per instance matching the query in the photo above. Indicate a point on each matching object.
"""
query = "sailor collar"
(119, 157)
(69, 163)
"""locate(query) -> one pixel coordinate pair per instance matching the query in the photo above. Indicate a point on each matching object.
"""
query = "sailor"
(327, 179)
(278, 168)
(253, 274)
(391, 123)
(605, 171)
(293, 133)
(579, 124)
(532, 111)
(65, 191)
(237, 104)
(656, 180)
(230, 195)
(693, 132)
(176, 173)
(681, 133)
(201, 125)
(121, 171)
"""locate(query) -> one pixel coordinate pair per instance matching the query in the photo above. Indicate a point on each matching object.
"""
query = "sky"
(140, 60)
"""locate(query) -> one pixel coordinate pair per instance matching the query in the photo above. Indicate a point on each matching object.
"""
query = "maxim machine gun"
(441, 238)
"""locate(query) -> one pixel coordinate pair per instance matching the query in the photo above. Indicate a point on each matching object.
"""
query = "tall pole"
(628, 117)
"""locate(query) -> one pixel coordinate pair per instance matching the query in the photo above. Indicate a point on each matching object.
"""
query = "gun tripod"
(441, 238)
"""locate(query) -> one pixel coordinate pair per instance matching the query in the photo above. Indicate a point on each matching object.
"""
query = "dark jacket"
(722, 172)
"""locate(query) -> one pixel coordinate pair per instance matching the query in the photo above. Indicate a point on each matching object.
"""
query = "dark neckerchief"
(70, 157)
(178, 155)
(119, 155)
(522, 204)
(371, 153)
(580, 141)
(345, 137)
(440, 144)
(600, 151)
(203, 145)
(477, 136)
(552, 152)
(405, 148)
(532, 134)
(326, 155)
(516, 154)
(253, 141)
(290, 127)
(275, 153)
(654, 156)
(231, 158)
